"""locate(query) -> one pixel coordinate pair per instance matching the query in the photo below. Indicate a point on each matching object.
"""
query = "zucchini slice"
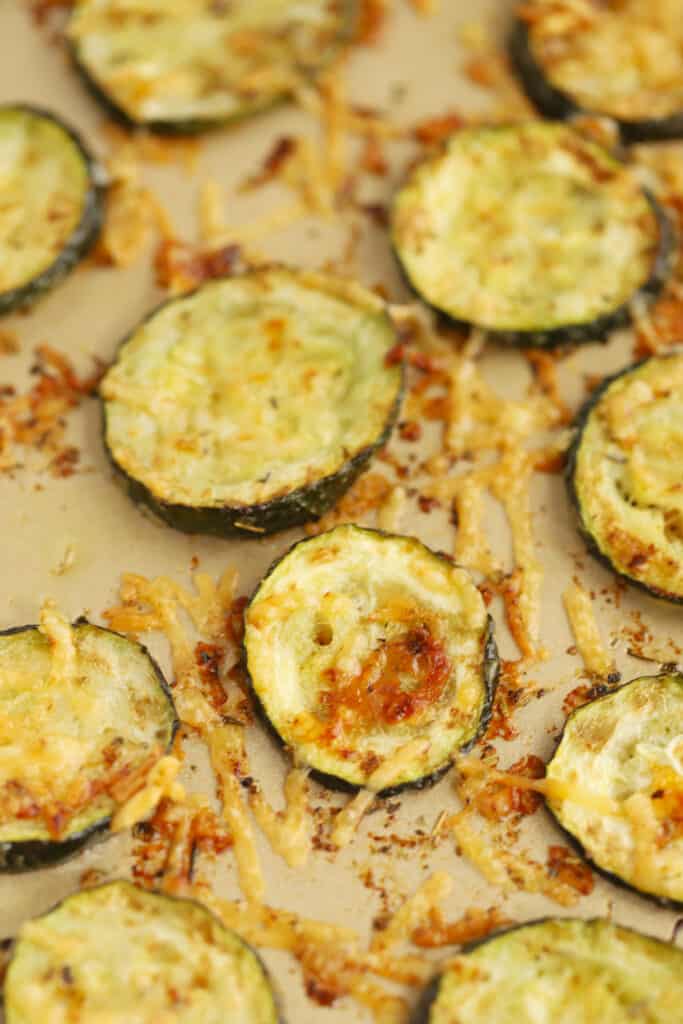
(559, 970)
(358, 643)
(80, 711)
(624, 474)
(252, 404)
(52, 203)
(620, 60)
(532, 232)
(628, 747)
(174, 66)
(122, 954)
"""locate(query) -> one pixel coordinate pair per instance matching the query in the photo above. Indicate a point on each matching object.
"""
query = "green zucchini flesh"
(623, 61)
(560, 971)
(179, 66)
(51, 203)
(531, 232)
(624, 474)
(77, 714)
(358, 643)
(628, 746)
(252, 404)
(128, 956)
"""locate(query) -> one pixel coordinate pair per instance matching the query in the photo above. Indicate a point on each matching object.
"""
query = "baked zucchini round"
(559, 970)
(252, 404)
(624, 474)
(52, 205)
(532, 232)
(623, 61)
(174, 66)
(627, 747)
(81, 709)
(358, 643)
(122, 954)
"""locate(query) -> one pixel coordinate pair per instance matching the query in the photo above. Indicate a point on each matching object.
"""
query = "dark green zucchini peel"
(624, 474)
(52, 203)
(81, 709)
(623, 61)
(252, 404)
(559, 970)
(531, 232)
(121, 954)
(178, 67)
(371, 657)
(626, 748)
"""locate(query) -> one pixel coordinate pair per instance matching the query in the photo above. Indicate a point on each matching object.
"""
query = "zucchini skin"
(173, 899)
(34, 854)
(83, 237)
(569, 475)
(555, 103)
(251, 522)
(422, 1011)
(597, 330)
(661, 901)
(491, 668)
(196, 126)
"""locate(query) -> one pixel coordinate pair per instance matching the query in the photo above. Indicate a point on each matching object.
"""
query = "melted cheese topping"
(118, 954)
(70, 731)
(570, 971)
(617, 747)
(198, 60)
(622, 59)
(358, 643)
(44, 184)
(524, 228)
(250, 388)
(627, 475)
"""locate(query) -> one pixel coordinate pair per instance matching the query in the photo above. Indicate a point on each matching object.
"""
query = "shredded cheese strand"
(581, 615)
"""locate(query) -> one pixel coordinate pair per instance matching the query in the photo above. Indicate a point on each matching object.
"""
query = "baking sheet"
(414, 72)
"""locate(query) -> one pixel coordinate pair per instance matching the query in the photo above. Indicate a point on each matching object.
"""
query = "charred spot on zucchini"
(176, 67)
(531, 232)
(83, 710)
(624, 474)
(559, 969)
(252, 404)
(626, 748)
(121, 953)
(51, 203)
(623, 61)
(366, 650)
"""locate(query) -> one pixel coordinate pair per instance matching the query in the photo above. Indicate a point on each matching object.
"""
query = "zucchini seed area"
(628, 747)
(120, 954)
(46, 185)
(525, 228)
(626, 474)
(562, 970)
(358, 643)
(251, 388)
(624, 60)
(80, 711)
(170, 62)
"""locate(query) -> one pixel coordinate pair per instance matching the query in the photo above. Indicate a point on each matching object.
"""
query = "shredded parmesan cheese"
(414, 911)
(161, 783)
(57, 629)
(384, 777)
(581, 615)
(289, 833)
(226, 747)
